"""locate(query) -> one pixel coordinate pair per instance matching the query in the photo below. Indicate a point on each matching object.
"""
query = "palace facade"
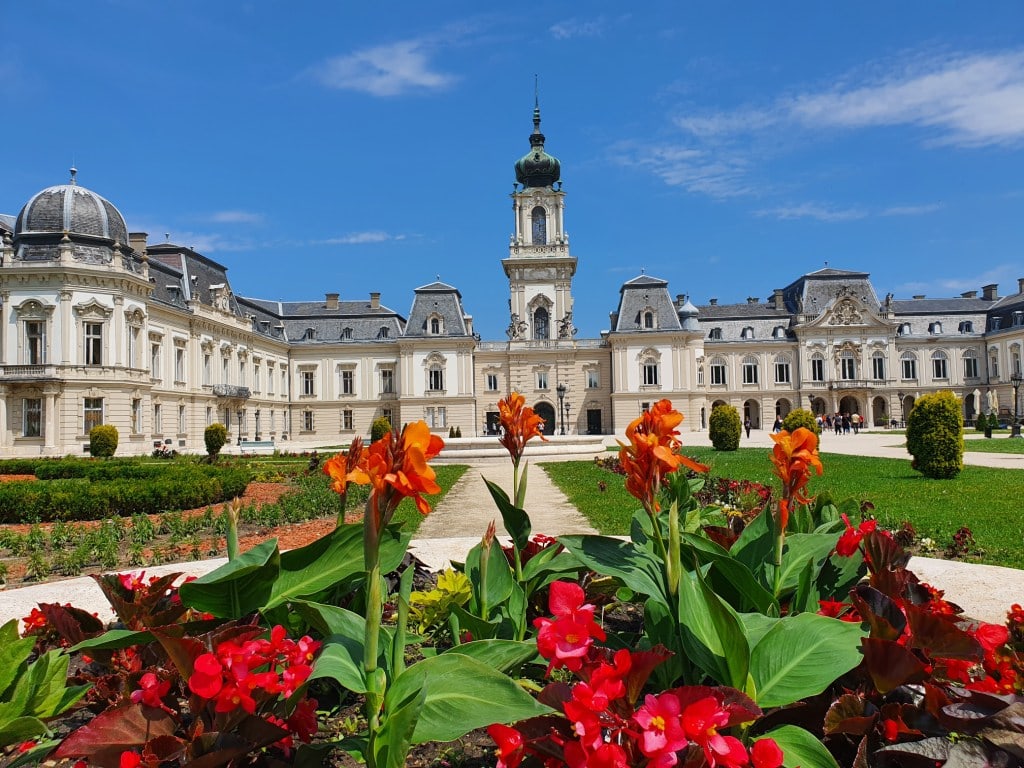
(99, 326)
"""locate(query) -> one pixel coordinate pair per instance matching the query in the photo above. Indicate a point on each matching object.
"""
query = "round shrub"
(934, 436)
(380, 427)
(801, 417)
(724, 428)
(215, 436)
(103, 441)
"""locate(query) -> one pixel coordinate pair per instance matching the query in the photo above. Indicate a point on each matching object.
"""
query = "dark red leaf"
(102, 740)
(883, 553)
(851, 714)
(891, 664)
(938, 637)
(642, 664)
(72, 624)
(879, 611)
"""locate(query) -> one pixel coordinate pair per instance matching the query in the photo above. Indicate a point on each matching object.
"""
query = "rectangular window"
(718, 374)
(970, 367)
(137, 415)
(782, 372)
(179, 364)
(542, 379)
(492, 382)
(182, 420)
(94, 343)
(700, 375)
(158, 419)
(35, 343)
(750, 373)
(92, 413)
(442, 417)
(207, 369)
(387, 381)
(284, 381)
(154, 361)
(878, 368)
(308, 388)
(650, 374)
(908, 366)
(939, 370)
(817, 369)
(348, 385)
(133, 346)
(307, 421)
(435, 379)
(847, 368)
(209, 415)
(33, 417)
(346, 420)
(270, 379)
(242, 375)
(593, 380)
(256, 372)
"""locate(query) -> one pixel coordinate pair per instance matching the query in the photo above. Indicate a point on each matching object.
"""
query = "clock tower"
(539, 266)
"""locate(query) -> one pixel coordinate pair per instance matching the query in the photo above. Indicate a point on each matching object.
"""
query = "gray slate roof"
(441, 300)
(641, 293)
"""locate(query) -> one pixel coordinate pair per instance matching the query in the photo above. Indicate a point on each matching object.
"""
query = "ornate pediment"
(845, 312)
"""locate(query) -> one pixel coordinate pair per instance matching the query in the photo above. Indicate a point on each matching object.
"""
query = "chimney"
(331, 301)
(1020, 285)
(137, 242)
(680, 300)
(969, 295)
(468, 320)
(752, 299)
(374, 299)
(990, 292)
(919, 296)
(613, 319)
(713, 302)
(777, 299)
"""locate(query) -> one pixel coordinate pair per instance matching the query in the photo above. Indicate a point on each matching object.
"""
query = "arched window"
(779, 332)
(435, 326)
(908, 366)
(940, 365)
(540, 323)
(904, 329)
(817, 367)
(648, 319)
(993, 363)
(1015, 360)
(539, 221)
(782, 370)
(847, 365)
(650, 370)
(717, 368)
(750, 370)
(747, 332)
(970, 364)
(715, 334)
(346, 334)
(935, 328)
(878, 366)
(966, 327)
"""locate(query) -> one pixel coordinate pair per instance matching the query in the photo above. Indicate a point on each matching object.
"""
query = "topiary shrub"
(380, 427)
(801, 417)
(934, 437)
(215, 436)
(103, 441)
(451, 431)
(458, 431)
(724, 428)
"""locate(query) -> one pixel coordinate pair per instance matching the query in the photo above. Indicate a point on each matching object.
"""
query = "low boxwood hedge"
(168, 487)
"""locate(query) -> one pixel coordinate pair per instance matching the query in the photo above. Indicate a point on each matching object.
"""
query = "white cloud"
(569, 28)
(235, 217)
(209, 242)
(911, 210)
(385, 70)
(813, 211)
(693, 169)
(945, 286)
(360, 238)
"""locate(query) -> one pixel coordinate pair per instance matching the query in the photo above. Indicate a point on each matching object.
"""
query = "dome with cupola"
(537, 168)
(73, 209)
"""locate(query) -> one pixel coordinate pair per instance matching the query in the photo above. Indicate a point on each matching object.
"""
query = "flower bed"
(799, 639)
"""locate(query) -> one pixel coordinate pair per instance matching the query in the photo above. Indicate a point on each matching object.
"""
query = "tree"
(801, 417)
(724, 428)
(103, 441)
(215, 436)
(934, 435)
(380, 427)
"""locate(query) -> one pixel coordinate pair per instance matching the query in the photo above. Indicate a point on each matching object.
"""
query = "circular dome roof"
(73, 209)
(537, 168)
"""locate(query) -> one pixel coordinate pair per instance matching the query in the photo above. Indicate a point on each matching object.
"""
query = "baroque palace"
(98, 326)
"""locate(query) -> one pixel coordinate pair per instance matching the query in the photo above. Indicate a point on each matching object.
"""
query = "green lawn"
(986, 500)
(995, 445)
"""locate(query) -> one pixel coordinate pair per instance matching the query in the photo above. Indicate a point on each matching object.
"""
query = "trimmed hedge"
(176, 487)
(724, 428)
(934, 435)
(103, 441)
(801, 417)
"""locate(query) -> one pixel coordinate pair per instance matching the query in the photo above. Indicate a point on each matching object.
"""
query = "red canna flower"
(519, 424)
(564, 640)
(130, 759)
(794, 455)
(651, 452)
(851, 538)
(766, 754)
(36, 620)
(511, 746)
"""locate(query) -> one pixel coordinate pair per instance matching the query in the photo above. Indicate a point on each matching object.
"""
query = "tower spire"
(536, 107)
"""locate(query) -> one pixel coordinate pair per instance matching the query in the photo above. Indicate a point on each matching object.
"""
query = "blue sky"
(727, 147)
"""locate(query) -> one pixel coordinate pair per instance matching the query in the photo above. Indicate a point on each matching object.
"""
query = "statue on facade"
(516, 330)
(566, 330)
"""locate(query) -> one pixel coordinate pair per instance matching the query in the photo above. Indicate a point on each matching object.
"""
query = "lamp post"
(1015, 381)
(903, 408)
(567, 418)
(560, 389)
(810, 402)
(239, 427)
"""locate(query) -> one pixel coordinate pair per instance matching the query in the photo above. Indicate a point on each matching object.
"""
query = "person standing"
(746, 425)
(777, 427)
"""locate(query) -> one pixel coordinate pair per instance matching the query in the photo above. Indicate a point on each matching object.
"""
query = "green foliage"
(801, 417)
(724, 428)
(103, 441)
(380, 427)
(430, 610)
(451, 431)
(215, 436)
(934, 435)
(458, 431)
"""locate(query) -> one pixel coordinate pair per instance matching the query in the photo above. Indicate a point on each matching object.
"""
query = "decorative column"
(67, 338)
(50, 420)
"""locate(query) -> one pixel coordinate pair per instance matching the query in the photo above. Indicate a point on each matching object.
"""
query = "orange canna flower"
(519, 424)
(652, 452)
(396, 467)
(340, 465)
(793, 456)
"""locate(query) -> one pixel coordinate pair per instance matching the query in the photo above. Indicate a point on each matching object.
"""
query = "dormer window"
(716, 334)
(435, 326)
(904, 329)
(779, 332)
(346, 334)
(994, 323)
(1018, 318)
(383, 332)
(648, 319)
(966, 327)
(935, 328)
(747, 332)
